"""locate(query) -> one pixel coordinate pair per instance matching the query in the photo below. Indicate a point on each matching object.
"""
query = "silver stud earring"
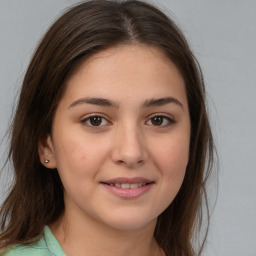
(46, 161)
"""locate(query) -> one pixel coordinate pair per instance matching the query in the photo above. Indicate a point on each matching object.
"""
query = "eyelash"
(165, 119)
(87, 121)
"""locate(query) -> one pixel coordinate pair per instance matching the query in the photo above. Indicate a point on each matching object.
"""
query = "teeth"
(134, 185)
(127, 185)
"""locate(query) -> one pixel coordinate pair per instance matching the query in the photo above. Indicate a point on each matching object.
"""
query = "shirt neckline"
(52, 243)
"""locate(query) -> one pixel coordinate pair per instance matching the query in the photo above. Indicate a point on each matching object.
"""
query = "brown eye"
(95, 120)
(161, 121)
(157, 120)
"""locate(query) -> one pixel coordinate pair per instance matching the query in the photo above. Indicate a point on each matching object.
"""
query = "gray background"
(223, 36)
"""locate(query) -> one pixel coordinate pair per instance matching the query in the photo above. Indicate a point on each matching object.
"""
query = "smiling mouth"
(128, 185)
(128, 188)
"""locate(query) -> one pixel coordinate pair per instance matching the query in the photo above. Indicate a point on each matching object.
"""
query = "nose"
(129, 147)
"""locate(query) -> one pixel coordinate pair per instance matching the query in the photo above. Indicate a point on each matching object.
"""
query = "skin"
(128, 143)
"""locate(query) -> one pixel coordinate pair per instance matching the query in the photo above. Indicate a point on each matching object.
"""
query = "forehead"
(126, 71)
(127, 56)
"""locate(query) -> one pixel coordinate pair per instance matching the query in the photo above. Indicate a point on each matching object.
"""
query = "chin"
(128, 222)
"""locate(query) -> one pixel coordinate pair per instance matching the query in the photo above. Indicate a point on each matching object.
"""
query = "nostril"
(121, 162)
(130, 164)
(140, 162)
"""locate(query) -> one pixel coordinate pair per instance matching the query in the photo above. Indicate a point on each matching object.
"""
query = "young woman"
(110, 144)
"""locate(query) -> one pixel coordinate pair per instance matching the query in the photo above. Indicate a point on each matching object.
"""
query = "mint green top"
(46, 246)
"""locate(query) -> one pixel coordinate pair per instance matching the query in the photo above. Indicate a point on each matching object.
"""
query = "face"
(120, 137)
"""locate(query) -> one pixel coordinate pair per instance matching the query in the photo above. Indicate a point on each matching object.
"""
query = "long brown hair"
(36, 197)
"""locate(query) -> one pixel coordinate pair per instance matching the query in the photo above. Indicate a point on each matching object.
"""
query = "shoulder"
(47, 245)
(25, 250)
(37, 249)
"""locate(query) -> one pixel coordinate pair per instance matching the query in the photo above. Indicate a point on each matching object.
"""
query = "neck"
(92, 238)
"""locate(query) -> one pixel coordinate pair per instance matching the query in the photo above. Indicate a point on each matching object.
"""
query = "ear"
(46, 151)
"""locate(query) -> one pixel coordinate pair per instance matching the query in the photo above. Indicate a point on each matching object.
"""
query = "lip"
(128, 180)
(128, 193)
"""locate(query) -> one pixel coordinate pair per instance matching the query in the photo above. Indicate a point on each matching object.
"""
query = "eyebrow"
(158, 102)
(95, 101)
(161, 102)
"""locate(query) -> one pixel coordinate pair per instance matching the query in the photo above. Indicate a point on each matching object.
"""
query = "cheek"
(79, 158)
(171, 160)
(76, 167)
(76, 157)
(173, 153)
